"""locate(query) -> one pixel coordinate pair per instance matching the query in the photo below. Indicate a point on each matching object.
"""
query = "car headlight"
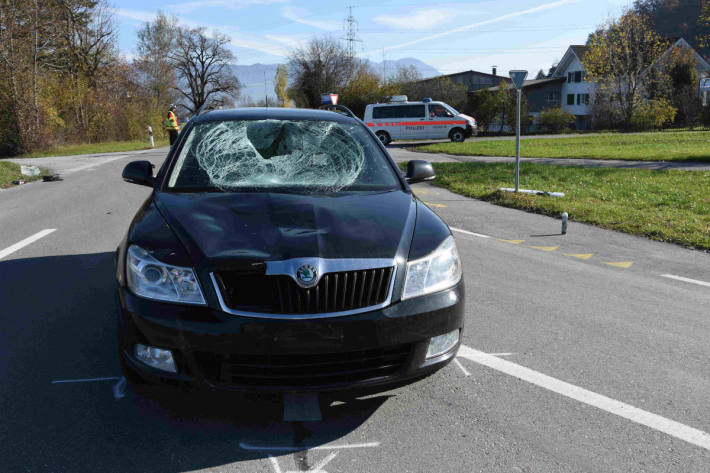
(437, 271)
(148, 277)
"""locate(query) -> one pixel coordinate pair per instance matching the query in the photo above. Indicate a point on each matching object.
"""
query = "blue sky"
(451, 36)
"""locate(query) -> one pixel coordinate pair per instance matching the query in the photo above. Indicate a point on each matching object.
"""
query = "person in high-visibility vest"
(171, 124)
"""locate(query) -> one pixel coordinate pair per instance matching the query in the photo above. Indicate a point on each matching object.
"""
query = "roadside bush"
(653, 114)
(606, 113)
(554, 120)
(705, 116)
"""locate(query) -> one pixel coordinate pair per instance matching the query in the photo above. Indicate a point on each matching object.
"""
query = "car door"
(440, 121)
(414, 121)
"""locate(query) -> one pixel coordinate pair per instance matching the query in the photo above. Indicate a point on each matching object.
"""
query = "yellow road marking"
(580, 255)
(514, 242)
(434, 205)
(545, 248)
(620, 264)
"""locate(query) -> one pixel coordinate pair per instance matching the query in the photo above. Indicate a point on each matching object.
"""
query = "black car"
(282, 249)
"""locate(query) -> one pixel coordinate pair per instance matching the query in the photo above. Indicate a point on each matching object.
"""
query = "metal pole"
(517, 144)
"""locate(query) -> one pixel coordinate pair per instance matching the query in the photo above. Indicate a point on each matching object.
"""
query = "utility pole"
(384, 67)
(266, 94)
(351, 37)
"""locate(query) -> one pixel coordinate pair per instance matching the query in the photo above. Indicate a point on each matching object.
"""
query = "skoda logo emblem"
(307, 276)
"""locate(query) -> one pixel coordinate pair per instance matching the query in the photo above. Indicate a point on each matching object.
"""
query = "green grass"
(670, 206)
(656, 146)
(93, 148)
(10, 172)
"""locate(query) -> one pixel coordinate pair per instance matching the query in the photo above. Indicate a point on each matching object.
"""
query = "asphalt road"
(579, 356)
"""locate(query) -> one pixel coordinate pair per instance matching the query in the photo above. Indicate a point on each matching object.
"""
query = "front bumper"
(367, 352)
(471, 131)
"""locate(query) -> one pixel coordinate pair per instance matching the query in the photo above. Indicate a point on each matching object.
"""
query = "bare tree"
(321, 66)
(203, 64)
(156, 43)
(88, 34)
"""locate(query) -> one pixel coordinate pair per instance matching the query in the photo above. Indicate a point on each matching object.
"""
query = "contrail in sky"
(507, 16)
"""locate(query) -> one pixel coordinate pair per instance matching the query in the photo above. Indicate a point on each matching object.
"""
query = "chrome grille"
(280, 294)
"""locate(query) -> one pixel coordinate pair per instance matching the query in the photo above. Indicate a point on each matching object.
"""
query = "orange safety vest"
(171, 122)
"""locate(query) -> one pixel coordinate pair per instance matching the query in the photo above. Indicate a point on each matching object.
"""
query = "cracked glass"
(289, 155)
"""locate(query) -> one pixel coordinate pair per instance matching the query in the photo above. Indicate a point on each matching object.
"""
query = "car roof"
(413, 102)
(273, 113)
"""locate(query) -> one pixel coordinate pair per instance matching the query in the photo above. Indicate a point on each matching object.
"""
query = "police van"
(399, 119)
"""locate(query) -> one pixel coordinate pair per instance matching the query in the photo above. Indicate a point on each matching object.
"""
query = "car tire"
(384, 137)
(457, 135)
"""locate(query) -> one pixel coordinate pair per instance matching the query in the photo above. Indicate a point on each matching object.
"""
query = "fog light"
(156, 357)
(442, 343)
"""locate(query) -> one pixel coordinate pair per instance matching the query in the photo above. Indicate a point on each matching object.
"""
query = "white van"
(425, 120)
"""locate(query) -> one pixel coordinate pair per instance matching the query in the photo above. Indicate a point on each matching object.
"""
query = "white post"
(517, 144)
(150, 136)
(518, 78)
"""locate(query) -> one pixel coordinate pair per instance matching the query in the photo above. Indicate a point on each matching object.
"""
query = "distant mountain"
(252, 79)
(390, 67)
(252, 76)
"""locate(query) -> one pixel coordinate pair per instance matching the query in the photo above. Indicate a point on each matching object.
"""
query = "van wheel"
(384, 137)
(457, 135)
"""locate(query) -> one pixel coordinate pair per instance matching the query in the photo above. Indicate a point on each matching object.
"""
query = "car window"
(436, 110)
(281, 155)
(399, 111)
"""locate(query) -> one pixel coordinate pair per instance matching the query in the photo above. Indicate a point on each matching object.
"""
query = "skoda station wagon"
(282, 250)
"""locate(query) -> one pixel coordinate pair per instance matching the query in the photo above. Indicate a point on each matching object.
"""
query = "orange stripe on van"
(448, 122)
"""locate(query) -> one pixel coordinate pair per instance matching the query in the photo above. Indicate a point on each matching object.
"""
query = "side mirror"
(139, 172)
(419, 170)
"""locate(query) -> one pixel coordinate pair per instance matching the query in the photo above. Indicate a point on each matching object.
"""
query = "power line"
(351, 30)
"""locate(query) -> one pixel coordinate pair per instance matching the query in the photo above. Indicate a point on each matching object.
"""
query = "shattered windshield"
(291, 155)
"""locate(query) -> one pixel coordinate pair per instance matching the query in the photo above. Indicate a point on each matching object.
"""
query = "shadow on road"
(57, 322)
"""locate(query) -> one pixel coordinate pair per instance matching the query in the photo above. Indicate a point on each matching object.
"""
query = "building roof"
(579, 50)
(478, 73)
(534, 83)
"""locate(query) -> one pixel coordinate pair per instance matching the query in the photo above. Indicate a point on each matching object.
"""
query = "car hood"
(469, 119)
(221, 228)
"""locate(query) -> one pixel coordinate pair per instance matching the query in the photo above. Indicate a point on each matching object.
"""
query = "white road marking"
(27, 241)
(502, 354)
(275, 464)
(94, 165)
(465, 371)
(480, 235)
(84, 380)
(317, 468)
(621, 409)
(681, 278)
(119, 389)
(291, 448)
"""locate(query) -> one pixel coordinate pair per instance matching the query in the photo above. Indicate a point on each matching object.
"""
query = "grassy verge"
(656, 146)
(671, 206)
(93, 148)
(10, 172)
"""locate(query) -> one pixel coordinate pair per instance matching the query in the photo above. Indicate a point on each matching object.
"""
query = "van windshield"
(280, 155)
